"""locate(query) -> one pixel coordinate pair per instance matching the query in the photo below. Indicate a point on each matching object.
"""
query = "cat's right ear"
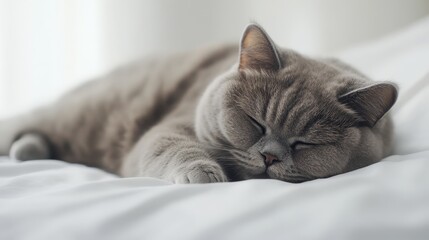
(371, 102)
(257, 51)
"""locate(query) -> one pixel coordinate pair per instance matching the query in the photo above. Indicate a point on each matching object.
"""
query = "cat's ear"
(257, 51)
(371, 102)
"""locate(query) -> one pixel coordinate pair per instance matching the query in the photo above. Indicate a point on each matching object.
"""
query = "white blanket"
(388, 200)
(55, 200)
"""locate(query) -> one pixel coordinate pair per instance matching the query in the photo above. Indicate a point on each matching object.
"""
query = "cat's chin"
(261, 176)
(269, 173)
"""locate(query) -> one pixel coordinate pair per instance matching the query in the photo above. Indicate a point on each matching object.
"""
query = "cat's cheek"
(239, 131)
(241, 136)
(321, 161)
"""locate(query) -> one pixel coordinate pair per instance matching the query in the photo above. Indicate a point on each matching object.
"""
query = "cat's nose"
(269, 158)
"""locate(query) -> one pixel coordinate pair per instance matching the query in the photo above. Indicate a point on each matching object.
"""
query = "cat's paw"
(201, 172)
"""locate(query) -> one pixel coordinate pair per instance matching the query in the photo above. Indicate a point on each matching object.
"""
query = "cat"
(216, 114)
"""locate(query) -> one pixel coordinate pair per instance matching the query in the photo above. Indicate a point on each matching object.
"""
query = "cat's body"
(99, 122)
(193, 118)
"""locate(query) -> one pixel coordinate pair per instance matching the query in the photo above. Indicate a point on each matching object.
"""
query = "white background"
(48, 46)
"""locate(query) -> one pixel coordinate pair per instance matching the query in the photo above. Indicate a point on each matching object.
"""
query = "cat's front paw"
(201, 172)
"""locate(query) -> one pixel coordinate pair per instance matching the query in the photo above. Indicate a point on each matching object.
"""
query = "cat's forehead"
(293, 103)
(323, 79)
(312, 88)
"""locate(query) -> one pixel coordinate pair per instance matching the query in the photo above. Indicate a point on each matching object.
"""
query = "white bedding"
(55, 200)
(388, 200)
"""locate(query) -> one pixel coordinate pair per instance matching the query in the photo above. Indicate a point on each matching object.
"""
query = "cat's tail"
(9, 128)
(19, 144)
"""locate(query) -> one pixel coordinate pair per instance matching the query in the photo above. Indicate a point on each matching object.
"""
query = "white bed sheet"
(388, 200)
(55, 200)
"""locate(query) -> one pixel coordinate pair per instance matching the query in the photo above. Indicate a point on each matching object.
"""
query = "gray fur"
(203, 116)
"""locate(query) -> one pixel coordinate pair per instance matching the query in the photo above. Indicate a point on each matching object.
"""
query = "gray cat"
(206, 116)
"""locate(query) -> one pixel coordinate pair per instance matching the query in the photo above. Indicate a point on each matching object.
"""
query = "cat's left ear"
(257, 50)
(372, 102)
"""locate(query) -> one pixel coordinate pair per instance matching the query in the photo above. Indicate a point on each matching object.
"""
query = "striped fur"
(207, 115)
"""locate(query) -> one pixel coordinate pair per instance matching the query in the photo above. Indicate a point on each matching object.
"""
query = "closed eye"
(298, 145)
(259, 126)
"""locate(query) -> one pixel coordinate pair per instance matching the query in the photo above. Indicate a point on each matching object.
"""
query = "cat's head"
(281, 115)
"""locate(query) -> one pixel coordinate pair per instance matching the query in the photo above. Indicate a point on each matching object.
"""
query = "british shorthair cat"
(214, 115)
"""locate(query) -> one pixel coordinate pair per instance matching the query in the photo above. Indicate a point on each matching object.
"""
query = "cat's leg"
(173, 154)
(30, 146)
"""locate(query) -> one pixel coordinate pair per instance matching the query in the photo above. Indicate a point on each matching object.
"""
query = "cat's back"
(152, 77)
(103, 118)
